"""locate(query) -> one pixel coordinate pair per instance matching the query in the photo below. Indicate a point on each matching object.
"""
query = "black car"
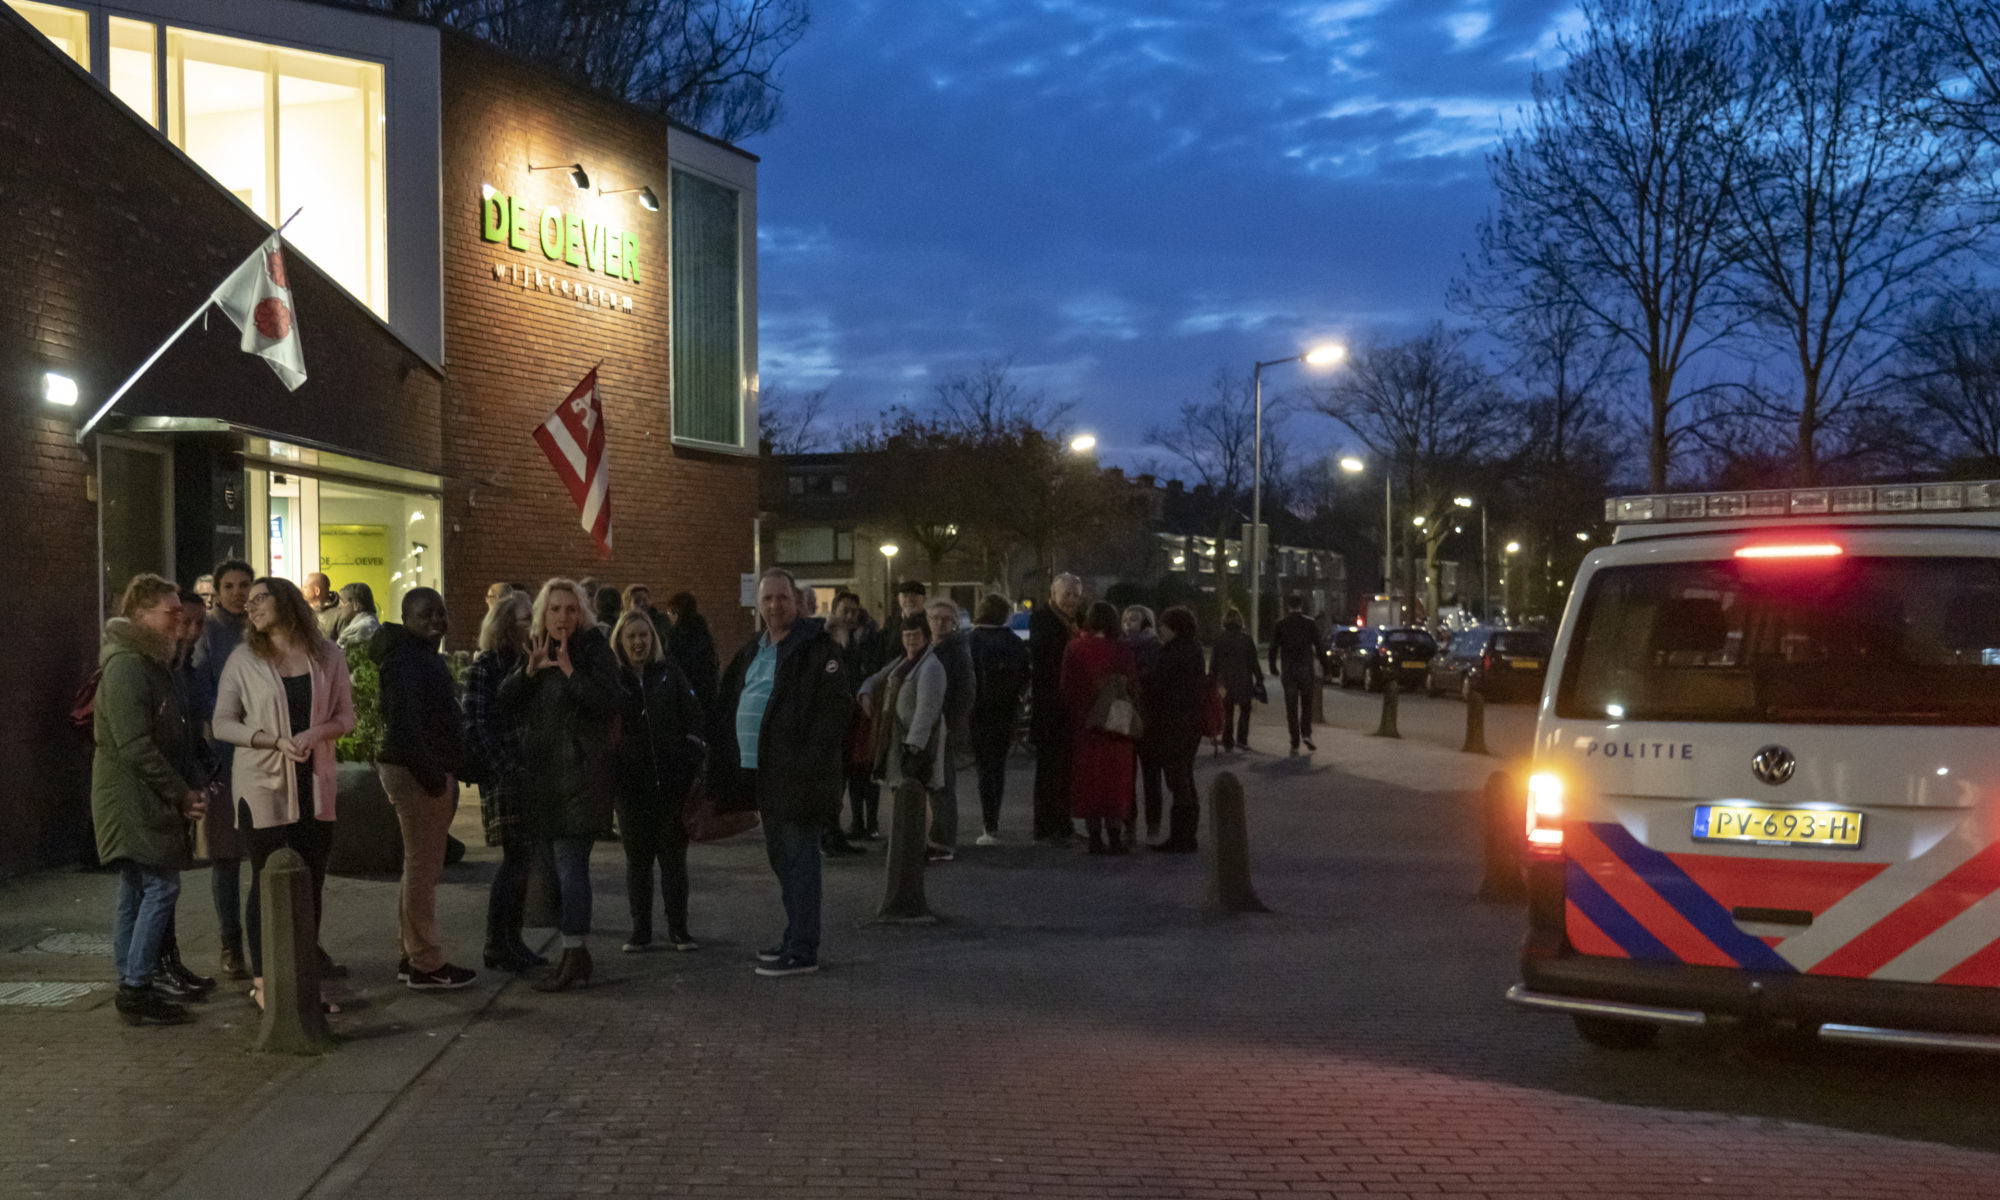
(1497, 663)
(1343, 639)
(1367, 663)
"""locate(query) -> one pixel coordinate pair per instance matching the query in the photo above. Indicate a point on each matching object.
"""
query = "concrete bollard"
(1475, 723)
(1505, 819)
(293, 1021)
(1229, 889)
(909, 824)
(1388, 726)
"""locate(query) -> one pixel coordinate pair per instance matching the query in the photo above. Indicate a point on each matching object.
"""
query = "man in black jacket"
(1050, 629)
(1295, 661)
(422, 752)
(779, 736)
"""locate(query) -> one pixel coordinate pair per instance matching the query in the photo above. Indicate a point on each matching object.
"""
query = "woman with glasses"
(283, 701)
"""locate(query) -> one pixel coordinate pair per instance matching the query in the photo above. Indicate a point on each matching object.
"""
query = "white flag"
(258, 299)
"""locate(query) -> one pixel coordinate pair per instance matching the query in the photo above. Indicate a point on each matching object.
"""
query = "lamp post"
(889, 550)
(1317, 356)
(1506, 588)
(1485, 593)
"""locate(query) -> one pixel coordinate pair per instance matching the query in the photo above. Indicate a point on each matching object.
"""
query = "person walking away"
(1237, 669)
(221, 632)
(565, 698)
(949, 646)
(1101, 765)
(493, 754)
(779, 728)
(692, 648)
(325, 604)
(1050, 726)
(1172, 704)
(358, 619)
(658, 755)
(143, 789)
(284, 700)
(862, 653)
(908, 699)
(1144, 643)
(1000, 677)
(1295, 661)
(423, 751)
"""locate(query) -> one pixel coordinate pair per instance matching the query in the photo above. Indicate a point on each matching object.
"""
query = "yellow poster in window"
(359, 554)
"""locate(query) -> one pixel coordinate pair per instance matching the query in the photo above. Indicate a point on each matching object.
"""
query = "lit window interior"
(68, 28)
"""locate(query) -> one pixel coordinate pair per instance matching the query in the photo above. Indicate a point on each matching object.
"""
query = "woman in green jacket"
(141, 793)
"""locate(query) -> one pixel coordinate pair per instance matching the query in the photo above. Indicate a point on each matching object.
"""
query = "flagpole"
(194, 316)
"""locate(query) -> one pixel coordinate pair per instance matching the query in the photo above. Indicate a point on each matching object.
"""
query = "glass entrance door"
(135, 511)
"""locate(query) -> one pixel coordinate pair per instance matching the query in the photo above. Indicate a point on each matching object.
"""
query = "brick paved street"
(1075, 1027)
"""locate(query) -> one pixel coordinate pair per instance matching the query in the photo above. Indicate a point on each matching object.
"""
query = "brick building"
(153, 143)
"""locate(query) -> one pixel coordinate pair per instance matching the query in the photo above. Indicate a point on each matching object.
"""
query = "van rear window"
(1845, 641)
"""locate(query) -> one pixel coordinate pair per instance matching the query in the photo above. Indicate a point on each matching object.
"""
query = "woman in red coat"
(1101, 768)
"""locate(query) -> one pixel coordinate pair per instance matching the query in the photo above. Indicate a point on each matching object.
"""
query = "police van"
(1766, 779)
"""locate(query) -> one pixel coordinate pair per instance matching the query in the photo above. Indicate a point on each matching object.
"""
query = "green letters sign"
(577, 241)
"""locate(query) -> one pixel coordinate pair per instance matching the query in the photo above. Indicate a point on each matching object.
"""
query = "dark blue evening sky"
(1122, 195)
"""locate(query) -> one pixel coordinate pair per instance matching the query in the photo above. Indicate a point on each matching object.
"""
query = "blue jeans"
(146, 897)
(573, 882)
(793, 851)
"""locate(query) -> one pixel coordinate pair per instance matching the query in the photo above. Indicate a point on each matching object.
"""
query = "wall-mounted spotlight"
(647, 200)
(577, 178)
(59, 389)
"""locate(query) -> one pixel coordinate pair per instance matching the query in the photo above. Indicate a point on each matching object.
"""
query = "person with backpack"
(1000, 672)
(144, 788)
(1174, 702)
(1096, 666)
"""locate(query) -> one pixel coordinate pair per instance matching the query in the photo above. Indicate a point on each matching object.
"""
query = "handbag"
(1114, 713)
(1258, 692)
(1214, 710)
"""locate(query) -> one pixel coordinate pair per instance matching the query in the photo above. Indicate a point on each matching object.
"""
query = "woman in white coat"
(284, 699)
(909, 733)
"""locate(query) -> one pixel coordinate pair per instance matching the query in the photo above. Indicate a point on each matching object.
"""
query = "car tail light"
(1545, 813)
(1486, 661)
(1789, 550)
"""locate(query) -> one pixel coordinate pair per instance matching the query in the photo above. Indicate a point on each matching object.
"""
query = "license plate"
(1524, 664)
(1776, 826)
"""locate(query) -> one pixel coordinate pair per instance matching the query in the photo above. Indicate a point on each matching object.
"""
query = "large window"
(68, 28)
(330, 513)
(707, 301)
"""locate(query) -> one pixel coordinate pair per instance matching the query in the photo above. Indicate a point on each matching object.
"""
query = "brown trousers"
(425, 819)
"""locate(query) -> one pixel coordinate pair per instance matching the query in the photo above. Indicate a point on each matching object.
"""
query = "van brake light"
(1545, 813)
(1790, 550)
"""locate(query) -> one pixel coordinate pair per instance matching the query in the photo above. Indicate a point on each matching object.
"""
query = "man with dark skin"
(422, 752)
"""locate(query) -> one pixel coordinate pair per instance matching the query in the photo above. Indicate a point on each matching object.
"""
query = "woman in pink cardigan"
(283, 700)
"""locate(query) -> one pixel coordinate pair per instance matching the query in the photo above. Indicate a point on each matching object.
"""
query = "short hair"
(419, 595)
(539, 623)
(634, 617)
(682, 603)
(361, 596)
(610, 603)
(1063, 578)
(636, 587)
(916, 621)
(1295, 601)
(945, 603)
(912, 587)
(1181, 620)
(844, 594)
(521, 588)
(145, 591)
(1102, 618)
(1145, 615)
(190, 596)
(228, 565)
(791, 580)
(207, 579)
(495, 627)
(994, 609)
(590, 584)
(295, 617)
(1232, 620)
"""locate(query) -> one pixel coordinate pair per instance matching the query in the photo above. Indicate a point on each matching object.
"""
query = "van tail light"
(1545, 813)
(1769, 550)
(1486, 661)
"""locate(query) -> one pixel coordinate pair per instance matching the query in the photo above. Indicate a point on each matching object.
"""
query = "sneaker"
(637, 943)
(934, 854)
(987, 839)
(1310, 746)
(683, 942)
(775, 954)
(790, 965)
(402, 970)
(445, 978)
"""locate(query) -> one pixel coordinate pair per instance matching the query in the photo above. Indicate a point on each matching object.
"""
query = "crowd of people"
(589, 714)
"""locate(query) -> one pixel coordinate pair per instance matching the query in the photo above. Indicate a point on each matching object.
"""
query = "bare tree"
(1848, 208)
(1212, 437)
(1614, 195)
(1949, 378)
(1429, 412)
(712, 65)
(1966, 95)
(791, 424)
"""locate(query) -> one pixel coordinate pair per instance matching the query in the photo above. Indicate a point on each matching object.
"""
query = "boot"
(138, 1005)
(572, 971)
(171, 962)
(233, 966)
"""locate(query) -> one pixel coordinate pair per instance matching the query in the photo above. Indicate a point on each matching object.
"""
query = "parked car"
(1343, 639)
(1409, 648)
(1497, 663)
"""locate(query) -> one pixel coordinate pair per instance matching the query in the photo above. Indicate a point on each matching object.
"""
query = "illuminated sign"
(562, 237)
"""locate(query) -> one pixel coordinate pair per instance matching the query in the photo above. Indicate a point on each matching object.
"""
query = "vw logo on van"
(1773, 764)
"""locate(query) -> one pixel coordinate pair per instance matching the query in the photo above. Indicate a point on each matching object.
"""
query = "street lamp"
(1083, 443)
(1318, 356)
(1485, 593)
(889, 551)
(1506, 575)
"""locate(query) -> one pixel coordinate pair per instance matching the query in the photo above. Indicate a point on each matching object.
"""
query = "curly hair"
(294, 616)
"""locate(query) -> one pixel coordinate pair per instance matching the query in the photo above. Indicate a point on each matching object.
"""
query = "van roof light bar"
(1804, 502)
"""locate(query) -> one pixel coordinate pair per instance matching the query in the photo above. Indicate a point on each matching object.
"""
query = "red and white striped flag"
(573, 438)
